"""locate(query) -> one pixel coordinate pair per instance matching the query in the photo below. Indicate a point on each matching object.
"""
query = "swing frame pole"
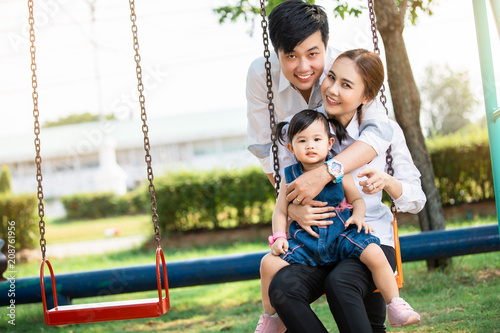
(489, 90)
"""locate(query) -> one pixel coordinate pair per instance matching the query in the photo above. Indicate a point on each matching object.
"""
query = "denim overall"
(335, 242)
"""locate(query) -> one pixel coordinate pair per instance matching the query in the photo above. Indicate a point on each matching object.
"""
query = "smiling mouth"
(304, 77)
(331, 101)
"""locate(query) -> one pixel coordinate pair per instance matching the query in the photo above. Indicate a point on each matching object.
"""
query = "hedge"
(462, 167)
(23, 210)
(98, 205)
(195, 200)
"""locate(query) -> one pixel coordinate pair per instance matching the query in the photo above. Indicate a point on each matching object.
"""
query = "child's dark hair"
(293, 21)
(300, 121)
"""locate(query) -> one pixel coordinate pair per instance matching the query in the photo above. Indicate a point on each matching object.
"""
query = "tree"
(447, 100)
(76, 119)
(5, 186)
(391, 16)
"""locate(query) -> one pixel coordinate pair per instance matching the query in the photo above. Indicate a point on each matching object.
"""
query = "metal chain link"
(142, 101)
(270, 96)
(383, 99)
(38, 158)
(376, 49)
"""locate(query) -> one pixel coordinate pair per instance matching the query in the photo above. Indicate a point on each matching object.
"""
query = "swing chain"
(38, 158)
(270, 96)
(390, 172)
(145, 129)
(376, 49)
(383, 99)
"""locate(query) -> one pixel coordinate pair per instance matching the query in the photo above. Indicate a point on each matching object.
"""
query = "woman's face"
(343, 90)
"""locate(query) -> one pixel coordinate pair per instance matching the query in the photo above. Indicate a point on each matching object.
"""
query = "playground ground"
(464, 298)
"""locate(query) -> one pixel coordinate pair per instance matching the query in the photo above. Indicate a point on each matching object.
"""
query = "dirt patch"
(488, 274)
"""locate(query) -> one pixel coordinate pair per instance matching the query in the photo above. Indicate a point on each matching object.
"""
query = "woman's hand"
(310, 215)
(376, 182)
(280, 246)
(360, 222)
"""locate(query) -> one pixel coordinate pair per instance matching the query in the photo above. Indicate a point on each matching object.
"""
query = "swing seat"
(109, 311)
(106, 311)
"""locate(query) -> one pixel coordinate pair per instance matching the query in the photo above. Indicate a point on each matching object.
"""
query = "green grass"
(464, 298)
(63, 231)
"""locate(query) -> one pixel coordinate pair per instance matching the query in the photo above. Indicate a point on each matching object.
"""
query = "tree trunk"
(406, 101)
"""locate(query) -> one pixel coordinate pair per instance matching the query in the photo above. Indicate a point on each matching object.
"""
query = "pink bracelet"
(275, 236)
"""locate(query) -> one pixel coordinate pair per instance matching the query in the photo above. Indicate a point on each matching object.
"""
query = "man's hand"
(311, 215)
(305, 188)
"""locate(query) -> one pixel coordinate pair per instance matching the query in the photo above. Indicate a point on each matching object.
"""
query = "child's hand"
(280, 246)
(360, 222)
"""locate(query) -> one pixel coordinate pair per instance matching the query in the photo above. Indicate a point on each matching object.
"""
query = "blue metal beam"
(235, 267)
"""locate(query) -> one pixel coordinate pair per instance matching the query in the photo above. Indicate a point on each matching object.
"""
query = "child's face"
(343, 90)
(312, 144)
(305, 64)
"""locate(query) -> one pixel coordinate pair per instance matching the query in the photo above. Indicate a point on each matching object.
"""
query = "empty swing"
(106, 311)
(272, 120)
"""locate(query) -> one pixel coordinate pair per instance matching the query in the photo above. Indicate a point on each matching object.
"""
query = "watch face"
(336, 167)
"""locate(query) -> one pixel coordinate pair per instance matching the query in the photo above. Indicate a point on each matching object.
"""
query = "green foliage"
(5, 185)
(95, 205)
(418, 5)
(344, 8)
(75, 119)
(462, 167)
(21, 212)
(249, 10)
(195, 200)
(188, 200)
(245, 9)
(447, 100)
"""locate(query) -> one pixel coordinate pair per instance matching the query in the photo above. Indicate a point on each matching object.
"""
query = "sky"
(190, 63)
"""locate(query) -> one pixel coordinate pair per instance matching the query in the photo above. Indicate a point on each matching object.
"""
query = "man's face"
(304, 65)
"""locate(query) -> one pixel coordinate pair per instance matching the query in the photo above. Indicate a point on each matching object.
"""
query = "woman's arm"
(404, 187)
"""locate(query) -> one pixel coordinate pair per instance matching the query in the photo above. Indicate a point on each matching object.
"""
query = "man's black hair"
(293, 21)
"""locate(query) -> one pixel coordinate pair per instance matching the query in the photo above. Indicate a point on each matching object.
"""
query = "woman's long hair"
(371, 69)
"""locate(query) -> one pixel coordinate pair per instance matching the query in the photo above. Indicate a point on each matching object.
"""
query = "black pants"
(349, 288)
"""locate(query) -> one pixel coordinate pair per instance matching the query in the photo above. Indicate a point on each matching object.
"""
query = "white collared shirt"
(288, 101)
(379, 215)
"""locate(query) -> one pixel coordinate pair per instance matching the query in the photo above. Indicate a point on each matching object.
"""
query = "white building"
(109, 155)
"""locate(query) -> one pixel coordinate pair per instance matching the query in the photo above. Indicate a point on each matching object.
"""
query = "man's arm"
(307, 186)
(258, 129)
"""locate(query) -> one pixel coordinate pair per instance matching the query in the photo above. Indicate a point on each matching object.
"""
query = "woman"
(348, 284)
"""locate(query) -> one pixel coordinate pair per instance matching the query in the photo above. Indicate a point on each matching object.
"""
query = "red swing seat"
(106, 311)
